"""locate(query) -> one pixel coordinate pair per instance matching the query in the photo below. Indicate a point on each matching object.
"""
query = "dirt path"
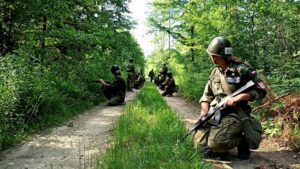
(72, 146)
(270, 155)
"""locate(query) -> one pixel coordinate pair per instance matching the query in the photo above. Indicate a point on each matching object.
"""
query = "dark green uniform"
(140, 80)
(169, 87)
(151, 75)
(115, 91)
(163, 75)
(228, 133)
(131, 76)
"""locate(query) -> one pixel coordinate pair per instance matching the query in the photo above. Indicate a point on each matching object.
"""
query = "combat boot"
(207, 153)
(243, 150)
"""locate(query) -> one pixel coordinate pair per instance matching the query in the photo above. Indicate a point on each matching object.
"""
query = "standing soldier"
(116, 90)
(151, 75)
(131, 75)
(229, 75)
(164, 69)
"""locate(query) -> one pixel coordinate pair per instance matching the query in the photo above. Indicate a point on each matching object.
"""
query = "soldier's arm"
(205, 100)
(103, 82)
(204, 107)
(238, 98)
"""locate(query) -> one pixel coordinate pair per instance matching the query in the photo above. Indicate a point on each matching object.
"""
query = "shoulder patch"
(261, 85)
(242, 69)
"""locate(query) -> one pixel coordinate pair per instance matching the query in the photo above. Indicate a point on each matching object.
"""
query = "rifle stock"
(218, 107)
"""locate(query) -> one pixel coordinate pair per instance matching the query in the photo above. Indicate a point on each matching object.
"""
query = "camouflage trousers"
(130, 80)
(220, 138)
(114, 97)
(169, 90)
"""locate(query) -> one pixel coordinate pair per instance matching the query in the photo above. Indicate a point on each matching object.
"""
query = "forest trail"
(75, 145)
(270, 155)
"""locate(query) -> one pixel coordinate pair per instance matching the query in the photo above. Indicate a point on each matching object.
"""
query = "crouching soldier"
(169, 85)
(232, 128)
(140, 80)
(162, 76)
(115, 92)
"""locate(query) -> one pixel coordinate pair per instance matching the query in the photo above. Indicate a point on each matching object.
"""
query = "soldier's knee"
(221, 142)
(218, 145)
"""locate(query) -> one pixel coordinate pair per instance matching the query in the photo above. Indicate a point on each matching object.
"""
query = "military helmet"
(114, 69)
(164, 64)
(169, 74)
(220, 46)
(131, 60)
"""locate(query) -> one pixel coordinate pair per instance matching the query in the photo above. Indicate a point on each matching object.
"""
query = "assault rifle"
(99, 81)
(216, 110)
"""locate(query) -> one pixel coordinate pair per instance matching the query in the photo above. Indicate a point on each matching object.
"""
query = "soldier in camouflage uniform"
(140, 80)
(151, 75)
(169, 85)
(131, 75)
(116, 90)
(163, 75)
(228, 76)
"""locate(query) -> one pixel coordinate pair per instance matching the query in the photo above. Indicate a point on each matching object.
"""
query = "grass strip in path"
(146, 137)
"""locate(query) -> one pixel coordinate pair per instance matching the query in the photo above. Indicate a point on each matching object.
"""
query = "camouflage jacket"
(222, 83)
(164, 70)
(118, 86)
(170, 82)
(130, 67)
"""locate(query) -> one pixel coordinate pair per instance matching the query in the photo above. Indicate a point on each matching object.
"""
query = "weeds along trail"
(76, 145)
(149, 135)
(270, 155)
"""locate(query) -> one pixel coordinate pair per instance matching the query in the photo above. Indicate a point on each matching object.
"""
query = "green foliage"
(263, 33)
(147, 136)
(190, 77)
(192, 86)
(270, 128)
(296, 135)
(50, 54)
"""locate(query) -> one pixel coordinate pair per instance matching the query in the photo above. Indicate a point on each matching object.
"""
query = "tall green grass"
(149, 135)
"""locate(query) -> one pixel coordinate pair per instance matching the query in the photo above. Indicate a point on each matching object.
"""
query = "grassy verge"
(191, 86)
(147, 135)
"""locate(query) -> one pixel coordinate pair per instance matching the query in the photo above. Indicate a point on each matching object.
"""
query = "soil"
(76, 144)
(270, 155)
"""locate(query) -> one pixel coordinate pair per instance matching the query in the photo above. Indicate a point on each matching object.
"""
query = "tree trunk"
(1, 35)
(10, 28)
(44, 31)
(193, 44)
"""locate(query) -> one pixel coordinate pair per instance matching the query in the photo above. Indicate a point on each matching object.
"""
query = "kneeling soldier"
(169, 85)
(228, 76)
(115, 92)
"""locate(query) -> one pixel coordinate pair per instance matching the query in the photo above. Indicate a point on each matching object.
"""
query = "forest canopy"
(51, 51)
